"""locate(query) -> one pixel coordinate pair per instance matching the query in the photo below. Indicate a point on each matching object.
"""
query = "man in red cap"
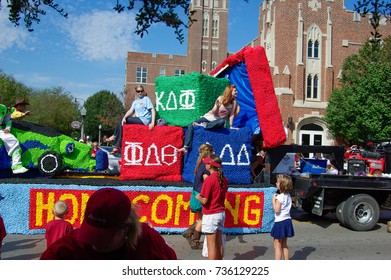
(110, 230)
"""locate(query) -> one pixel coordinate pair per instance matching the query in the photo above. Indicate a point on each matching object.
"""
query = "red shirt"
(3, 232)
(150, 246)
(94, 151)
(56, 229)
(215, 194)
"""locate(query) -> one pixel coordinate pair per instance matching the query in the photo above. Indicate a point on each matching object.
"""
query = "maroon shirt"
(3, 232)
(150, 246)
(56, 229)
(215, 194)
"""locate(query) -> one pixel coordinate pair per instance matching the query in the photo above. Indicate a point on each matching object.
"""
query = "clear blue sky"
(87, 52)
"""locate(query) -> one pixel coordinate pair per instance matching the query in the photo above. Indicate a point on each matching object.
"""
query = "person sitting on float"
(225, 107)
(18, 110)
(11, 144)
(144, 112)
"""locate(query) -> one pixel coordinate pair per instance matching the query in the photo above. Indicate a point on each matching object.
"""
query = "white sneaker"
(20, 170)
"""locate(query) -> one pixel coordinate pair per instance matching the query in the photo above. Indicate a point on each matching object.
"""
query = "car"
(114, 160)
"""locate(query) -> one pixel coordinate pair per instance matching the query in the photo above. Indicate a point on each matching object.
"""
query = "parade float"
(155, 177)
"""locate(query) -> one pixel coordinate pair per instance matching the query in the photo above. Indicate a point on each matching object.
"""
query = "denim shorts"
(211, 223)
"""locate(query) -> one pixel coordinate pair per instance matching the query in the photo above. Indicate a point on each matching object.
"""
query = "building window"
(309, 86)
(162, 72)
(310, 48)
(205, 25)
(312, 86)
(215, 26)
(315, 88)
(203, 66)
(314, 42)
(313, 49)
(214, 65)
(316, 49)
(141, 75)
(179, 72)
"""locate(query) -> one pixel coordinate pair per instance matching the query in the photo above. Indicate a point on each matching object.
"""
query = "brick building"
(306, 42)
(143, 68)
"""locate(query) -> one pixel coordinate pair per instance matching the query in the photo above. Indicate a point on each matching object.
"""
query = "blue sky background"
(87, 52)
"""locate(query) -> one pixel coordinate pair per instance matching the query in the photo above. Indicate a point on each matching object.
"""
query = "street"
(316, 238)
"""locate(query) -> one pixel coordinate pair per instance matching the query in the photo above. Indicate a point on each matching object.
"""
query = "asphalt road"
(316, 238)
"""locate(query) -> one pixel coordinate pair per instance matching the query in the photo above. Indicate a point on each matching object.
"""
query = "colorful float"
(155, 177)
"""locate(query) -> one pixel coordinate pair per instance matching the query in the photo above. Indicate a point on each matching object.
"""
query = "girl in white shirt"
(282, 228)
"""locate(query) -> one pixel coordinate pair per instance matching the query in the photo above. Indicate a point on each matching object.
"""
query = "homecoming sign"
(165, 208)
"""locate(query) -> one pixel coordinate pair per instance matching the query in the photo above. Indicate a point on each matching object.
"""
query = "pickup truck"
(356, 200)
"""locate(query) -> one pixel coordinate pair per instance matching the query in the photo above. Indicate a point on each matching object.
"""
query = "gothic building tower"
(208, 38)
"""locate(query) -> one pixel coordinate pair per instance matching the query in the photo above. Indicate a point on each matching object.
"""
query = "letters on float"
(134, 154)
(164, 208)
(186, 101)
(167, 155)
(243, 152)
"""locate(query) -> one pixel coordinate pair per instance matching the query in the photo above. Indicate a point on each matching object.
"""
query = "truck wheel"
(361, 212)
(49, 164)
(339, 211)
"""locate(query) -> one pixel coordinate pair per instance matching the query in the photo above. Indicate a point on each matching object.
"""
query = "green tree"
(149, 12)
(10, 89)
(361, 109)
(105, 108)
(54, 108)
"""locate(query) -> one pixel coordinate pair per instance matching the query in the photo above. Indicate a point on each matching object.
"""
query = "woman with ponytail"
(193, 233)
(212, 198)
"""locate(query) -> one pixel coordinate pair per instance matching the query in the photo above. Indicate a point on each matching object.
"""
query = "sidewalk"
(248, 247)
(316, 238)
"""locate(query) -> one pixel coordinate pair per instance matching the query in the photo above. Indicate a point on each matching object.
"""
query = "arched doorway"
(311, 134)
(313, 131)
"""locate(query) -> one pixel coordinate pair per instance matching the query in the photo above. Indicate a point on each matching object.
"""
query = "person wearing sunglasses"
(141, 112)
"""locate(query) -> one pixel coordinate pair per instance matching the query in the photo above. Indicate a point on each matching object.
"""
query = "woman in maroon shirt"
(212, 197)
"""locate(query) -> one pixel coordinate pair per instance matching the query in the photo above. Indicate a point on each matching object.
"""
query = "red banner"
(163, 209)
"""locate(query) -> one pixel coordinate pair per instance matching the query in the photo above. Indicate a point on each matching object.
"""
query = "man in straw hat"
(18, 110)
(11, 144)
(110, 230)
